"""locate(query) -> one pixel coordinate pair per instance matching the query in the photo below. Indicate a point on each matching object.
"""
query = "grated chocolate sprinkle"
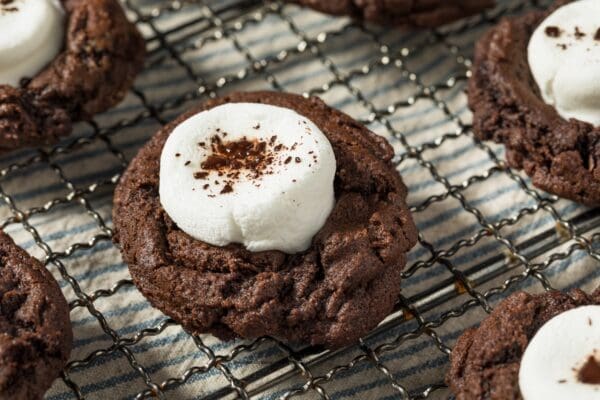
(552, 31)
(230, 160)
(227, 189)
(589, 373)
(7, 6)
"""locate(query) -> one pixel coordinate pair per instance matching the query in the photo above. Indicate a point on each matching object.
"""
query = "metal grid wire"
(293, 372)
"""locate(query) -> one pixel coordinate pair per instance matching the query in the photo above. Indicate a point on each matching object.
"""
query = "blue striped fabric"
(415, 363)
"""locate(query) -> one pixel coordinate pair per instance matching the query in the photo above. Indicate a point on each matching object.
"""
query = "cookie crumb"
(578, 33)
(597, 35)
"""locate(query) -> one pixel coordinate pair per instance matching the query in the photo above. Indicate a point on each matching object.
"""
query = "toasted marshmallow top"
(554, 364)
(247, 173)
(31, 36)
(564, 57)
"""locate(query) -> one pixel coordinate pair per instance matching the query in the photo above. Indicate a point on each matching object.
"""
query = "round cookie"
(331, 294)
(485, 360)
(404, 13)
(35, 329)
(561, 156)
(102, 54)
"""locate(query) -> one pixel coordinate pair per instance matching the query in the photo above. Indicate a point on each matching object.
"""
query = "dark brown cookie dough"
(35, 329)
(485, 360)
(403, 13)
(103, 53)
(561, 156)
(332, 294)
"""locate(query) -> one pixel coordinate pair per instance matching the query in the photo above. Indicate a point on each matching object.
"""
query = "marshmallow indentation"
(31, 36)
(253, 174)
(552, 362)
(564, 57)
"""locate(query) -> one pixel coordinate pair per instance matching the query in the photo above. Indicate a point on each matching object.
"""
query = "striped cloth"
(64, 195)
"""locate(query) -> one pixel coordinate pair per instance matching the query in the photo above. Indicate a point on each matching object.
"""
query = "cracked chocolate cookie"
(561, 155)
(331, 294)
(402, 13)
(486, 361)
(98, 54)
(35, 329)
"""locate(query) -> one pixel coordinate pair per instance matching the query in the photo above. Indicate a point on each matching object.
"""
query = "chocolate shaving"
(552, 31)
(232, 159)
(227, 189)
(5, 6)
(578, 33)
(237, 155)
(597, 35)
(589, 373)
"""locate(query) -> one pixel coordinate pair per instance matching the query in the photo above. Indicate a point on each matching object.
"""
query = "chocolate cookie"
(35, 329)
(485, 360)
(405, 13)
(331, 294)
(561, 156)
(102, 54)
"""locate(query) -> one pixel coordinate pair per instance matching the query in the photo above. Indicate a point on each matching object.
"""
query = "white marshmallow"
(553, 357)
(31, 36)
(280, 210)
(567, 68)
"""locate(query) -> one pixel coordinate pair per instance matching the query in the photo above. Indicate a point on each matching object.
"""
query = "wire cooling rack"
(485, 231)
